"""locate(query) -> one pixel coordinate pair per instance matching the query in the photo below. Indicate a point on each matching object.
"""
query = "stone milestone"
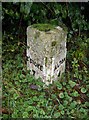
(46, 51)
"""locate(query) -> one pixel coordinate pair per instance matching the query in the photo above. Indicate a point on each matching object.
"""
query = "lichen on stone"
(54, 43)
(37, 34)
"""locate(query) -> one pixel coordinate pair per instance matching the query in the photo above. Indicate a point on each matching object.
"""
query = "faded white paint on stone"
(46, 53)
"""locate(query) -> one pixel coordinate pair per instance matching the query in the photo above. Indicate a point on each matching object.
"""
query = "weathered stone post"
(46, 51)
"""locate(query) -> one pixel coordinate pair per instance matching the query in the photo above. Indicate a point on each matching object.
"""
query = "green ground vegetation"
(24, 96)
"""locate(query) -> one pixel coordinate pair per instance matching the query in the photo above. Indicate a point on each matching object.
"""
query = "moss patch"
(44, 27)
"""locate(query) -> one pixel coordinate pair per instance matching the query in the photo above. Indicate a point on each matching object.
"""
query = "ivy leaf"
(75, 94)
(59, 86)
(65, 103)
(29, 108)
(83, 90)
(25, 115)
(61, 107)
(61, 95)
(54, 96)
(82, 110)
(87, 104)
(35, 98)
(62, 112)
(42, 112)
(57, 114)
(15, 96)
(73, 104)
(64, 83)
(72, 83)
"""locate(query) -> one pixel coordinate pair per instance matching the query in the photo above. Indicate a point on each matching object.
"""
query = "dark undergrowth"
(23, 95)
